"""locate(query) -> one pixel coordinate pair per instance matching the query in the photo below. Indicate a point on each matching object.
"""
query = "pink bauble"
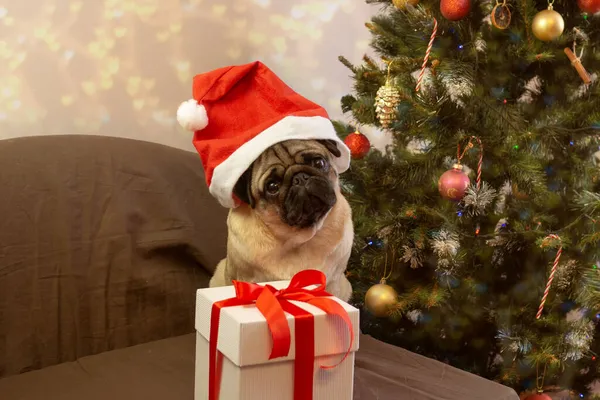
(453, 183)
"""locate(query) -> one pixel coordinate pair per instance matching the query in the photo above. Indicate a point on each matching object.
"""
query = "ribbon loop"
(273, 304)
(247, 291)
(306, 278)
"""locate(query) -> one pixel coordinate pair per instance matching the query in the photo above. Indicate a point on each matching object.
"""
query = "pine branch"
(588, 202)
(526, 14)
(347, 63)
(588, 288)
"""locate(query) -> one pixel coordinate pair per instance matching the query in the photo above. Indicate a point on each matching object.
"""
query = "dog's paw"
(218, 278)
(346, 289)
(342, 289)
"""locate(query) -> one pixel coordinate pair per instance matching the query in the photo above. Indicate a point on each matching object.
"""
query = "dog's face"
(292, 183)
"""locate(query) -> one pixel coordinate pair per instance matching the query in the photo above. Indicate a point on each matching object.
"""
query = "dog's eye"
(319, 163)
(272, 187)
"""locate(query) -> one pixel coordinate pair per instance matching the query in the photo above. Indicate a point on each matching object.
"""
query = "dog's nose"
(300, 179)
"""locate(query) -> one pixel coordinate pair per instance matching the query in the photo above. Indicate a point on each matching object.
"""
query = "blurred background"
(121, 67)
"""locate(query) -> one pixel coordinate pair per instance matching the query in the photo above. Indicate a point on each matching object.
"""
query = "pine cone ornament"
(386, 101)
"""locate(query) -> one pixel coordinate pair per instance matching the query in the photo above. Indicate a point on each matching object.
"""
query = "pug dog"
(293, 217)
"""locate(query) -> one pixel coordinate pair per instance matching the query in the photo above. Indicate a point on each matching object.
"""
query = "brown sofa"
(103, 242)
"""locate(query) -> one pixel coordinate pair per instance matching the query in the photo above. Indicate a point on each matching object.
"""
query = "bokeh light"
(121, 67)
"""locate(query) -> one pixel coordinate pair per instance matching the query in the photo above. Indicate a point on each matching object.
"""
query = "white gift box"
(245, 342)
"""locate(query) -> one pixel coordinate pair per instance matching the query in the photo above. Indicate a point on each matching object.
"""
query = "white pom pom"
(192, 116)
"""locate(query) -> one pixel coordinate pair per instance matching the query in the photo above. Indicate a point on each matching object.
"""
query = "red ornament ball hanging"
(538, 396)
(453, 183)
(454, 10)
(589, 6)
(358, 144)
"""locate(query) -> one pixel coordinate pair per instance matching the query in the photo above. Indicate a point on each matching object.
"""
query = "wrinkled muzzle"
(308, 200)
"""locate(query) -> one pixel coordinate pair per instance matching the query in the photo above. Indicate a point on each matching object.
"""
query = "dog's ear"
(331, 145)
(243, 188)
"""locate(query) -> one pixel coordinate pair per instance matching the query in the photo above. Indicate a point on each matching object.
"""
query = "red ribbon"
(273, 304)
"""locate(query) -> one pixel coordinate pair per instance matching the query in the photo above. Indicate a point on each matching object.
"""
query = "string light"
(376, 243)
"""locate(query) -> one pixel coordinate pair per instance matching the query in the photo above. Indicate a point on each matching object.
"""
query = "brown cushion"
(165, 370)
(103, 242)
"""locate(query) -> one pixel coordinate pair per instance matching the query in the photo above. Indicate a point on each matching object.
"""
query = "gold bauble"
(401, 4)
(380, 299)
(548, 25)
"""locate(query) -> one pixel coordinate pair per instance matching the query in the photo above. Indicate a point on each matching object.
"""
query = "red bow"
(273, 304)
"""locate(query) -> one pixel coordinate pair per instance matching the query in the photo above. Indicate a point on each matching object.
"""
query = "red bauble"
(538, 396)
(589, 6)
(358, 144)
(454, 10)
(454, 183)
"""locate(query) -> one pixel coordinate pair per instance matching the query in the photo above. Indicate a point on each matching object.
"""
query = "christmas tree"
(483, 216)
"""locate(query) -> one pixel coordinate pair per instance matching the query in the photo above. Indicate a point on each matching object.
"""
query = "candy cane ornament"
(552, 272)
(479, 163)
(427, 53)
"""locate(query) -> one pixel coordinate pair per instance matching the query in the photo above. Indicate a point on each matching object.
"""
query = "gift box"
(287, 340)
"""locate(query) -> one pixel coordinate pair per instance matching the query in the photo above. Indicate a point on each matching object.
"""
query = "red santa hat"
(238, 112)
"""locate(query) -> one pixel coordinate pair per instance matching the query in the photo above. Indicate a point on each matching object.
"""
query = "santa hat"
(238, 112)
